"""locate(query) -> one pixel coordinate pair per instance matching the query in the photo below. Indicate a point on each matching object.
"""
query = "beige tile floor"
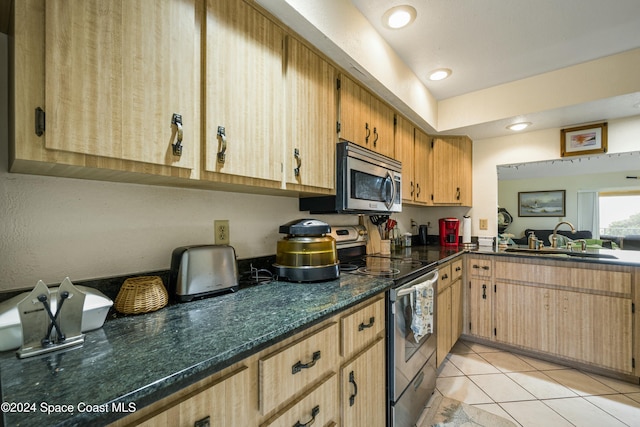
(535, 393)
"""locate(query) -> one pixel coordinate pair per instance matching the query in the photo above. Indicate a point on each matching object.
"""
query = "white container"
(94, 312)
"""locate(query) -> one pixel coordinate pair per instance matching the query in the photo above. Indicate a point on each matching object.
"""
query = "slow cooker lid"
(305, 227)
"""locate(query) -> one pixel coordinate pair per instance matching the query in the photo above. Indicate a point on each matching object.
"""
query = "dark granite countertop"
(592, 256)
(140, 359)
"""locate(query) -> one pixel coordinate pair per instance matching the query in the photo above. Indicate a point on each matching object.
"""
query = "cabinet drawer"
(456, 270)
(480, 267)
(318, 407)
(444, 276)
(361, 328)
(294, 367)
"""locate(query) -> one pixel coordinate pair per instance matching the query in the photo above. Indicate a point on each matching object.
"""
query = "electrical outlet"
(221, 230)
(484, 224)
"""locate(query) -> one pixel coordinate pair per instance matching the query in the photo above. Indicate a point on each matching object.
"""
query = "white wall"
(53, 227)
(624, 136)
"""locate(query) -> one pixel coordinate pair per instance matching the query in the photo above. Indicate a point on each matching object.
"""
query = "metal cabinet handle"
(445, 276)
(368, 134)
(411, 183)
(296, 154)
(314, 413)
(205, 422)
(375, 132)
(362, 325)
(418, 188)
(223, 146)
(484, 291)
(176, 120)
(300, 366)
(485, 267)
(458, 268)
(457, 193)
(352, 380)
(475, 266)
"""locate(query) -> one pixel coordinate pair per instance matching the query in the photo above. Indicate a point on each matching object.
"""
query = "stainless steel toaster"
(202, 270)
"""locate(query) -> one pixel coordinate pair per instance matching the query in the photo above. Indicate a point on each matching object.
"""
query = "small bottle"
(407, 240)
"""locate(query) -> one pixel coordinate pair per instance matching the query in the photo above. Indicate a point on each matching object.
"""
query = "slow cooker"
(307, 253)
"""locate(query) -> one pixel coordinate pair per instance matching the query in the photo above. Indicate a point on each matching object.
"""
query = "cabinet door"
(119, 71)
(534, 327)
(354, 113)
(403, 151)
(452, 163)
(363, 388)
(480, 296)
(382, 134)
(456, 310)
(244, 92)
(223, 404)
(443, 324)
(311, 117)
(445, 171)
(465, 171)
(317, 407)
(422, 168)
(595, 329)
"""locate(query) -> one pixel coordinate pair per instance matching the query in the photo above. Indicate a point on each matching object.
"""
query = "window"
(619, 213)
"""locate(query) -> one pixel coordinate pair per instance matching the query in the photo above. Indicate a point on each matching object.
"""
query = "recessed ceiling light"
(519, 126)
(399, 17)
(439, 74)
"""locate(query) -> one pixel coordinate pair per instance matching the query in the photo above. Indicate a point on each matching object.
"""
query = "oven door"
(372, 187)
(406, 356)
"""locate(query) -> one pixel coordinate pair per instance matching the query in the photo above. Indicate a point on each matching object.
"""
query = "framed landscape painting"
(589, 139)
(541, 203)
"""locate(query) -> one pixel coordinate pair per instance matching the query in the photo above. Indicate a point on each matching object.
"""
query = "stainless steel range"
(411, 362)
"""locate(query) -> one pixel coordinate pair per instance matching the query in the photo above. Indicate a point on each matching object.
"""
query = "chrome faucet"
(554, 236)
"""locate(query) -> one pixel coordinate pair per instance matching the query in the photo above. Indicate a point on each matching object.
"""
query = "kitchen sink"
(561, 252)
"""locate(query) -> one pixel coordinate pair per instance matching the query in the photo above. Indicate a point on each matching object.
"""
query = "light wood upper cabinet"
(311, 117)
(244, 87)
(451, 174)
(364, 119)
(404, 152)
(422, 166)
(116, 73)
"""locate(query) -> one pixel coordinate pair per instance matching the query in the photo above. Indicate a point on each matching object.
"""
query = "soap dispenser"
(533, 241)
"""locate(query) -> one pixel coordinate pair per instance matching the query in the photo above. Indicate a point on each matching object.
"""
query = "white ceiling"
(491, 42)
(488, 43)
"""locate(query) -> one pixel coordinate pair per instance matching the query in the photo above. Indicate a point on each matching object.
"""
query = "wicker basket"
(141, 295)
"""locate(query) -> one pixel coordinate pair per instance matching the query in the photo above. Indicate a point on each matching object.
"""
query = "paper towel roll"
(466, 229)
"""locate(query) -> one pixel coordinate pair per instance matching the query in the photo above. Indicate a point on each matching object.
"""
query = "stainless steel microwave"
(366, 182)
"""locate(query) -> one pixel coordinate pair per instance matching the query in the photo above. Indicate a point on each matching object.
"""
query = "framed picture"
(541, 203)
(589, 139)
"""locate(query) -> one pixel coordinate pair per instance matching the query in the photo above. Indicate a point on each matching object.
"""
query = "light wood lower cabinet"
(318, 407)
(220, 404)
(580, 312)
(301, 380)
(363, 388)
(448, 308)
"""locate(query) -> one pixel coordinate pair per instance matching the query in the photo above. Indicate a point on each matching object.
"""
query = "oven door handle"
(406, 291)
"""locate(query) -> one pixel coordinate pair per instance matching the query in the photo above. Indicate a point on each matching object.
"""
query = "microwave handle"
(389, 178)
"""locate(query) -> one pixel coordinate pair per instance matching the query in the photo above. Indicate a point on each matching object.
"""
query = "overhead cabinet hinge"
(495, 332)
(633, 308)
(40, 121)
(337, 84)
(633, 362)
(337, 127)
